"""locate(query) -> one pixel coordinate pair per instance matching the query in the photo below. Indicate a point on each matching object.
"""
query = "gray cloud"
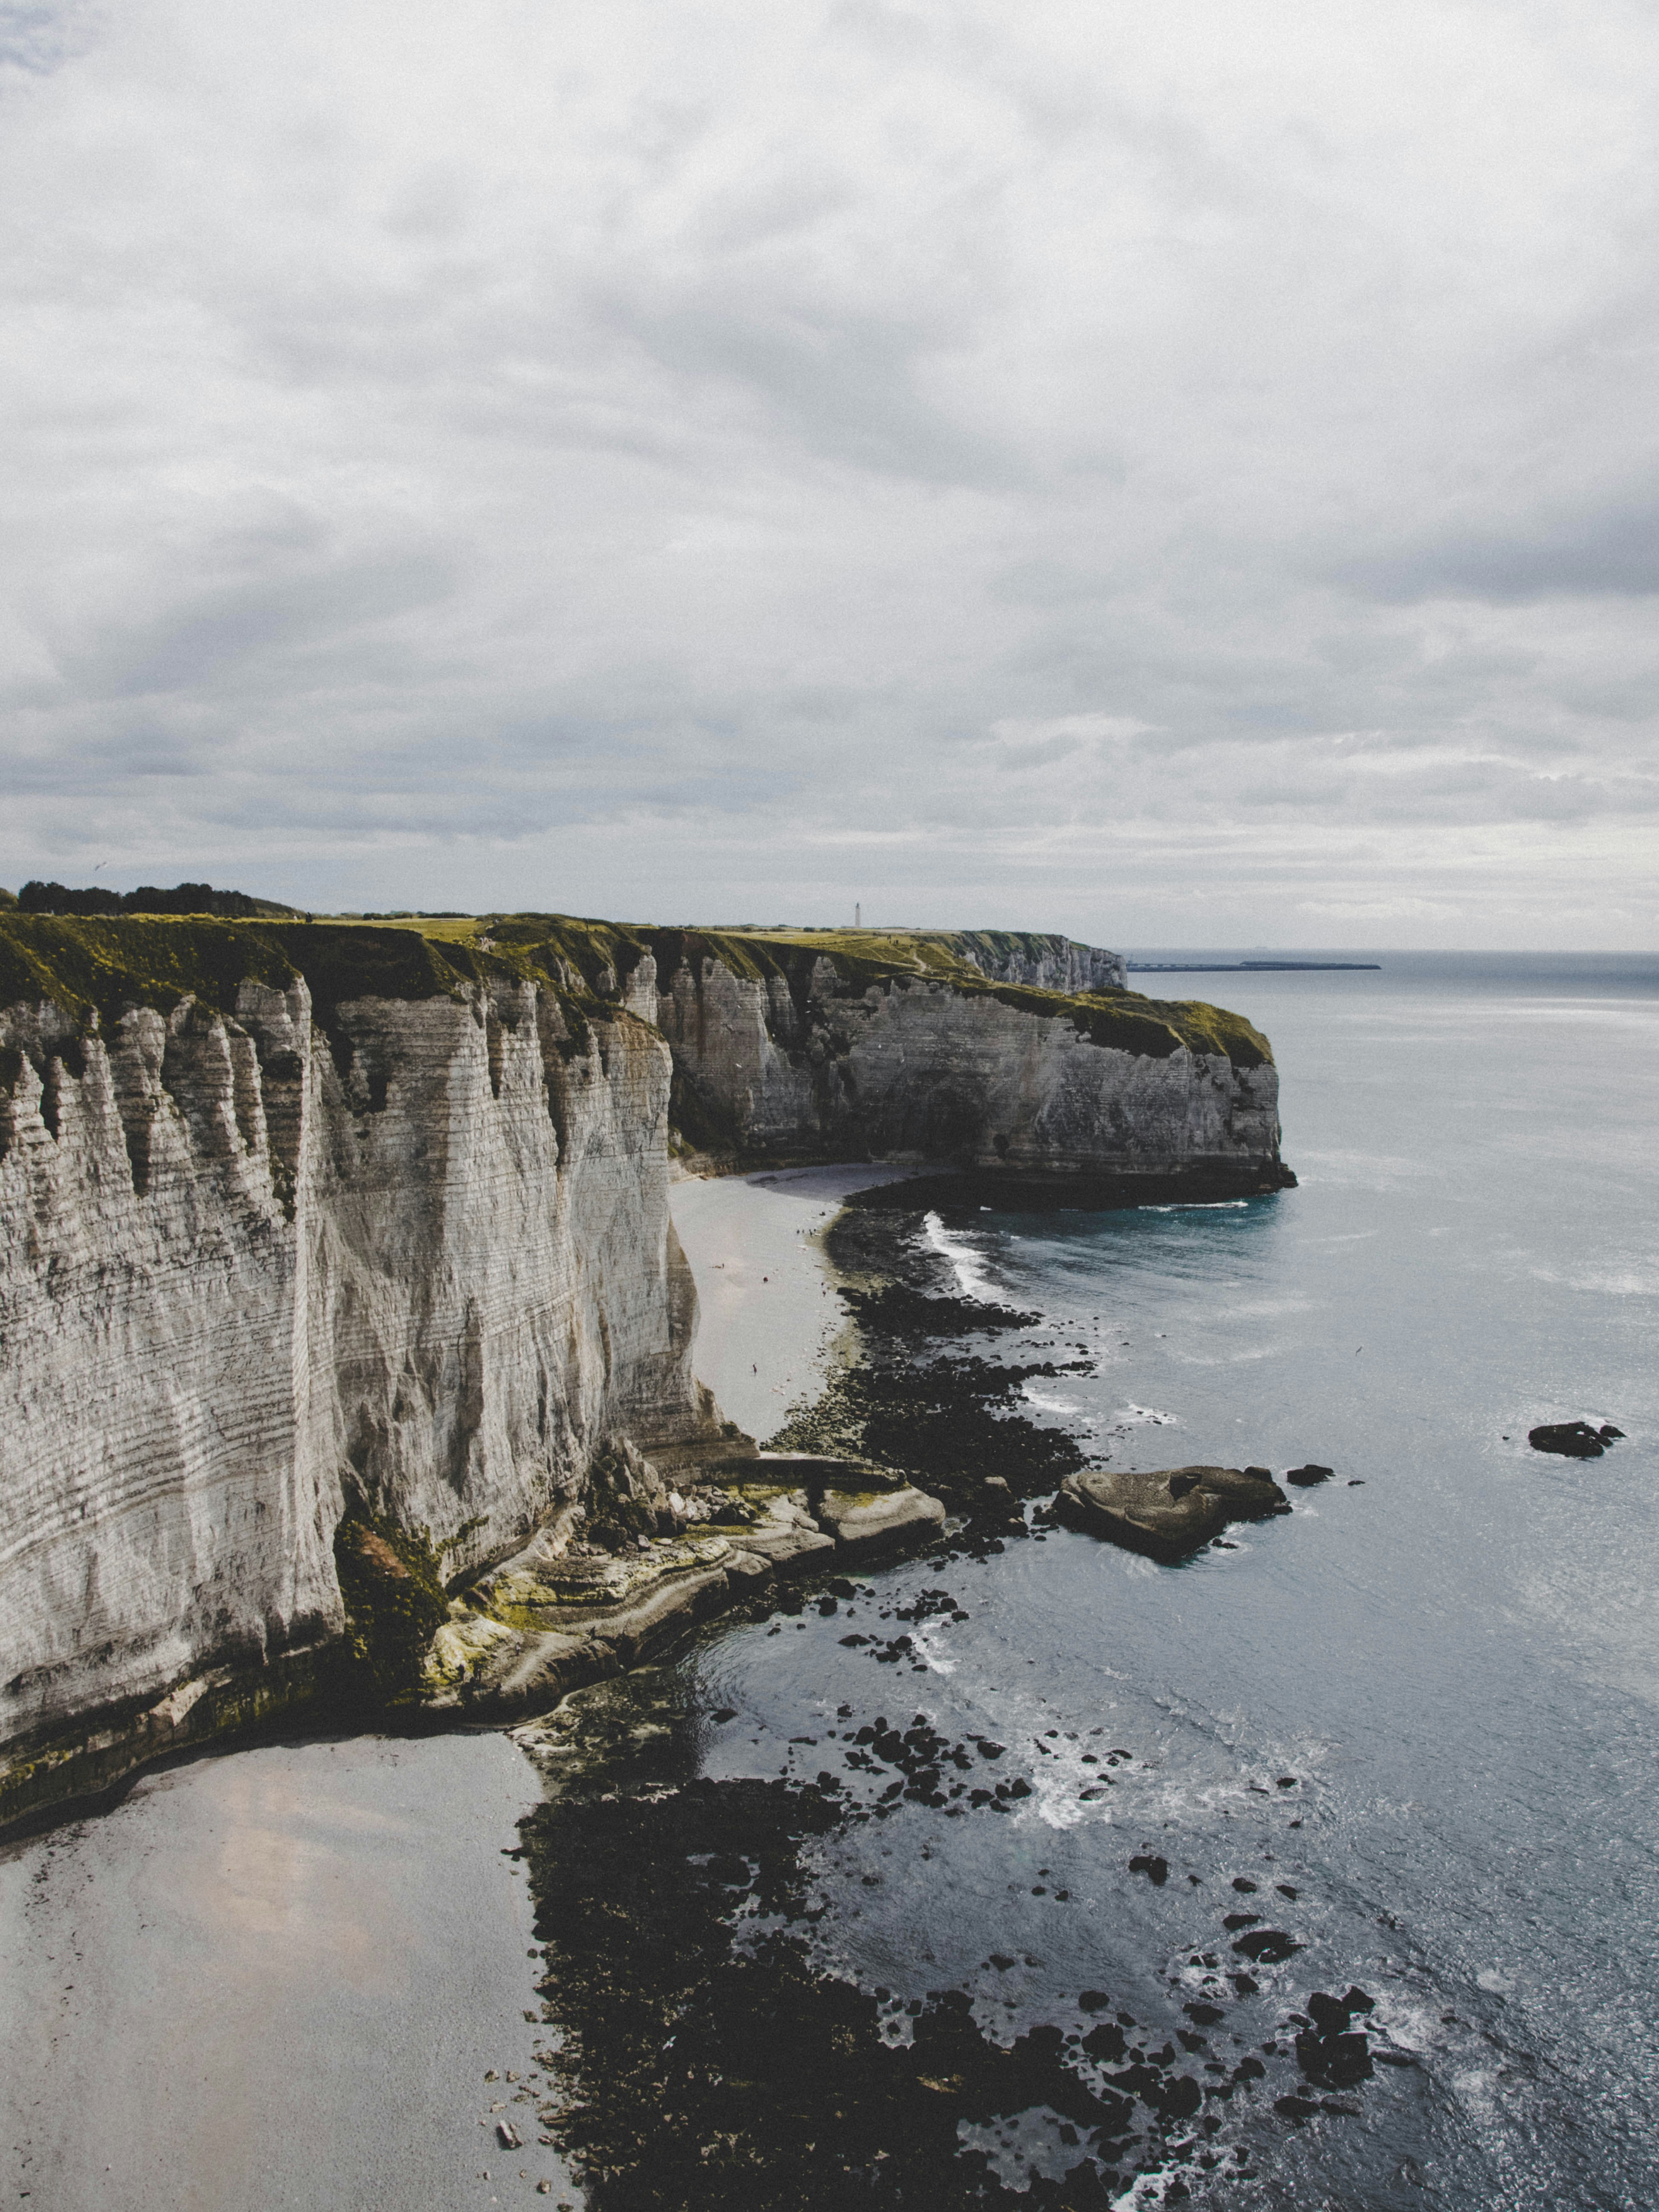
(1194, 482)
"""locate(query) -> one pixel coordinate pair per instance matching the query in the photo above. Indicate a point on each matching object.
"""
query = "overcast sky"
(1180, 473)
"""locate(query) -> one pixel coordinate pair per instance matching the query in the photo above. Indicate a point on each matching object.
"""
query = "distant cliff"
(808, 1046)
(1048, 963)
(306, 1225)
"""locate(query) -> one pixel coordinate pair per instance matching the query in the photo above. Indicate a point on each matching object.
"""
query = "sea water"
(1416, 1716)
(1424, 1702)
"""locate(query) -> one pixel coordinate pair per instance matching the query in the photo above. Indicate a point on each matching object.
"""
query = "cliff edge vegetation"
(973, 963)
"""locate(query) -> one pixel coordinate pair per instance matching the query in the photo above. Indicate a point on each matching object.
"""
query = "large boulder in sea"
(1573, 1439)
(1166, 1513)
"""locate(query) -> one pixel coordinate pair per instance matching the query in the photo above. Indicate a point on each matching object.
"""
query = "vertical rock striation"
(419, 1265)
(1045, 964)
(839, 1059)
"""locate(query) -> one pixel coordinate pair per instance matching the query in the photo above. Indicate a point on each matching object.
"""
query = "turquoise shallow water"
(1450, 1649)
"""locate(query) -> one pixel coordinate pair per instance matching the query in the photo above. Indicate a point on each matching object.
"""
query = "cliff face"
(920, 1067)
(254, 1273)
(1046, 963)
(992, 1050)
(313, 1230)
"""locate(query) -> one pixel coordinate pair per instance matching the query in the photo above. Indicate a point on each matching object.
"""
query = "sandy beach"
(277, 1978)
(769, 1317)
(280, 1978)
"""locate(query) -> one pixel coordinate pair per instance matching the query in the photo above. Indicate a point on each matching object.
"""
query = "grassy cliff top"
(1153, 1027)
(105, 965)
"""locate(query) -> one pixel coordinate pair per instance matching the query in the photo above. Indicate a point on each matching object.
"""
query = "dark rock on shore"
(1169, 1513)
(1573, 1439)
(767, 2081)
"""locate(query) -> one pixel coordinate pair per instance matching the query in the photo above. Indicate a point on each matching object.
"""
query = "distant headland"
(1253, 966)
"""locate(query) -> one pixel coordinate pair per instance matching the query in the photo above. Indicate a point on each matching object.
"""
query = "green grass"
(441, 928)
(105, 965)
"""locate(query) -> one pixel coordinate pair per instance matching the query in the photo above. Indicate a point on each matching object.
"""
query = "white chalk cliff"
(407, 1251)
(239, 1285)
(912, 1067)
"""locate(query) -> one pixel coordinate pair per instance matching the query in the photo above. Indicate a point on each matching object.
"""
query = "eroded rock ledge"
(566, 1610)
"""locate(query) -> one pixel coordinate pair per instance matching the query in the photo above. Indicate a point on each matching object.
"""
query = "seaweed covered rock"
(1167, 1513)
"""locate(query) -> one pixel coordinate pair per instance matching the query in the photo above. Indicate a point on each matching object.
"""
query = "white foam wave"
(1198, 1205)
(1048, 1403)
(966, 1264)
(929, 1650)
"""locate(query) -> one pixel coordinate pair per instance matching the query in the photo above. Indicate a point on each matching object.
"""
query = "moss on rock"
(394, 1603)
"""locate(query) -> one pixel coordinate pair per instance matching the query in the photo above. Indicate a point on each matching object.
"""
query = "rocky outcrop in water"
(1167, 1513)
(567, 1610)
(1574, 1439)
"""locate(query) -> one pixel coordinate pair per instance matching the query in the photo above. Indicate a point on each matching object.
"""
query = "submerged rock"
(1169, 1513)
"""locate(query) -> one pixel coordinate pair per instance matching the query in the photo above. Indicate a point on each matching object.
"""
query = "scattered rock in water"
(768, 2080)
(1106, 2044)
(1167, 1513)
(1267, 1946)
(1574, 1439)
(1305, 1478)
(1155, 1870)
(1329, 2051)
